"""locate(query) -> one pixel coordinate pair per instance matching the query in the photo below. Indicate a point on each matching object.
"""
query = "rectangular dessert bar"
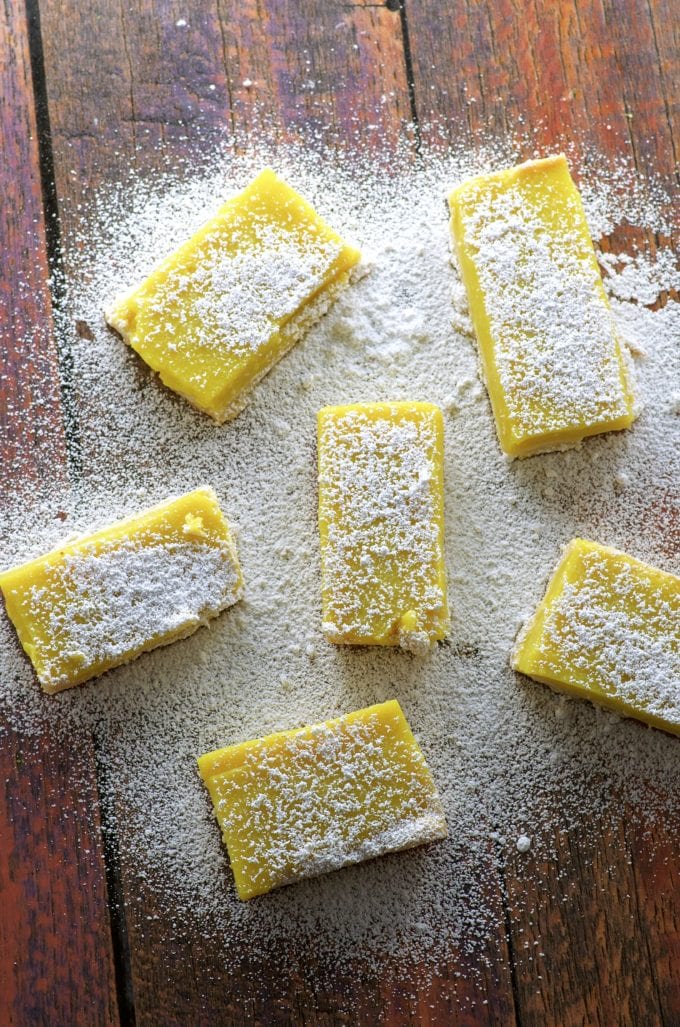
(103, 599)
(381, 522)
(608, 630)
(553, 363)
(221, 310)
(304, 802)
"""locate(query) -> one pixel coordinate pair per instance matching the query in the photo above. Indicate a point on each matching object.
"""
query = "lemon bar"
(553, 362)
(608, 630)
(217, 314)
(301, 803)
(381, 522)
(103, 599)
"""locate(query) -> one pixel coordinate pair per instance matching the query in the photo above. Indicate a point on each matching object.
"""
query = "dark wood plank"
(56, 958)
(583, 71)
(603, 929)
(318, 72)
(56, 961)
(129, 88)
(579, 947)
(150, 91)
(32, 445)
(656, 868)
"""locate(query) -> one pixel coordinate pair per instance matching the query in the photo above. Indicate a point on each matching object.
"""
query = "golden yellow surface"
(381, 523)
(103, 599)
(608, 630)
(300, 803)
(221, 310)
(550, 354)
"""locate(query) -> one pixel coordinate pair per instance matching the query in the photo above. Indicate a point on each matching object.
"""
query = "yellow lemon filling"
(300, 803)
(381, 522)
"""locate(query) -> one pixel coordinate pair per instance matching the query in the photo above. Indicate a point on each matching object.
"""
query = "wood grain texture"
(133, 89)
(656, 869)
(598, 74)
(180, 978)
(579, 946)
(325, 73)
(32, 448)
(56, 960)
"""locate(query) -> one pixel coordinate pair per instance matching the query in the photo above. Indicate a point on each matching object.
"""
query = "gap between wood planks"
(53, 241)
(50, 201)
(400, 7)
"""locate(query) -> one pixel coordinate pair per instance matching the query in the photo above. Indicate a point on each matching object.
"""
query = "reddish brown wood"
(594, 78)
(656, 869)
(318, 71)
(180, 978)
(579, 946)
(32, 449)
(595, 74)
(56, 960)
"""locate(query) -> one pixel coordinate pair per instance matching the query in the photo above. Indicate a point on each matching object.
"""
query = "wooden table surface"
(89, 90)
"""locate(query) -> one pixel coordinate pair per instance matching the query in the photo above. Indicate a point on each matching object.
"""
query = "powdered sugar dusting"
(218, 312)
(110, 603)
(508, 757)
(261, 287)
(634, 277)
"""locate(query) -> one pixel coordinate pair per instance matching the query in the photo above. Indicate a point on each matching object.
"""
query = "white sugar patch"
(110, 603)
(635, 277)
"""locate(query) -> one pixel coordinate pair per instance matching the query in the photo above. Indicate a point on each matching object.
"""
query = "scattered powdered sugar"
(507, 755)
(523, 843)
(635, 277)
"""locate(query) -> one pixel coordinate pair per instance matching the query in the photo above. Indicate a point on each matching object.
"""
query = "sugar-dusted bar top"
(608, 630)
(381, 521)
(221, 310)
(304, 802)
(101, 600)
(553, 362)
